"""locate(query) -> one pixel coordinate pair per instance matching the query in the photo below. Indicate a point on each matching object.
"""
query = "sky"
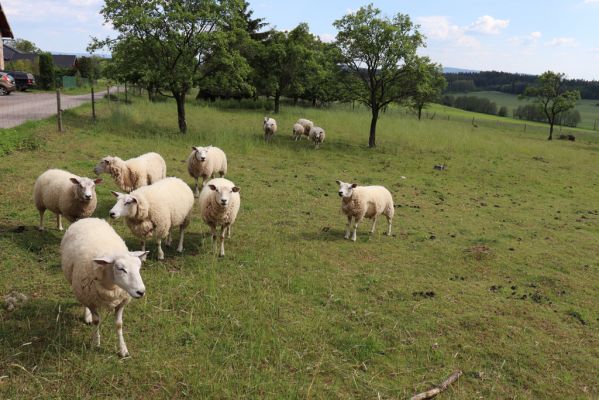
(529, 36)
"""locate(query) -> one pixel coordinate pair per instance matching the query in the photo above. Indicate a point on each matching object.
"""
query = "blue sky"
(517, 36)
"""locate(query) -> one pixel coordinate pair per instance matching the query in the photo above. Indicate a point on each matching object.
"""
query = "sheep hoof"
(124, 354)
(40, 228)
(161, 257)
(180, 249)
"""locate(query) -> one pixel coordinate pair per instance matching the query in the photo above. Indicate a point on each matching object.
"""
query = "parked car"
(7, 84)
(23, 80)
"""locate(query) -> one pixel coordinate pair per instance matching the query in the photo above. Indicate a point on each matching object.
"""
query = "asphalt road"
(19, 107)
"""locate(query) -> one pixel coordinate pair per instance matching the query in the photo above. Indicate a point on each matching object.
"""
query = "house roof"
(5, 30)
(60, 60)
(64, 60)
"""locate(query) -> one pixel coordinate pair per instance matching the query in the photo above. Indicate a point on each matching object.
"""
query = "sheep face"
(126, 206)
(103, 166)
(269, 123)
(85, 188)
(125, 271)
(201, 153)
(346, 189)
(223, 194)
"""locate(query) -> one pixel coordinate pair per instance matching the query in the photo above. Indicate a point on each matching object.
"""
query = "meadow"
(492, 268)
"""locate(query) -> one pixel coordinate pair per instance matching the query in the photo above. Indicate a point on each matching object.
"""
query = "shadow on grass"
(29, 238)
(325, 234)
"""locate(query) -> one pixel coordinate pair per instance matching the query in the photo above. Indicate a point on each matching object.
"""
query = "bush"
(502, 111)
(46, 77)
(476, 104)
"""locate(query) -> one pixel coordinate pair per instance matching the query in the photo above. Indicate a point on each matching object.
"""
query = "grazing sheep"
(65, 195)
(317, 136)
(298, 132)
(102, 272)
(206, 162)
(365, 201)
(270, 128)
(307, 124)
(219, 205)
(155, 210)
(135, 172)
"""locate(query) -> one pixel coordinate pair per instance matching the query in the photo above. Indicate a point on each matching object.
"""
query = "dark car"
(7, 84)
(23, 80)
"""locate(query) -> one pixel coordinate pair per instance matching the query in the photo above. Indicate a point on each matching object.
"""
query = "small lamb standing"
(219, 205)
(135, 172)
(270, 128)
(102, 272)
(155, 210)
(307, 124)
(65, 195)
(317, 136)
(206, 162)
(365, 201)
(298, 131)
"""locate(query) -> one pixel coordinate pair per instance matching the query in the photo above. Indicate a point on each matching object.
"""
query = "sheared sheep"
(155, 210)
(135, 172)
(219, 205)
(206, 162)
(298, 132)
(102, 272)
(317, 136)
(65, 195)
(365, 201)
(307, 124)
(270, 128)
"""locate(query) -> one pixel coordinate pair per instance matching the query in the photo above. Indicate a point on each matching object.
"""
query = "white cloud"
(488, 25)
(441, 28)
(562, 42)
(528, 40)
(591, 1)
(327, 37)
(536, 35)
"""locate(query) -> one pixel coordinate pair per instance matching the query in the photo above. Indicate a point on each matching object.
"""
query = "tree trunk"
(180, 98)
(373, 121)
(550, 131)
(419, 112)
(314, 102)
(277, 102)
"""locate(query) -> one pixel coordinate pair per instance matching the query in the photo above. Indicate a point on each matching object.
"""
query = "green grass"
(492, 268)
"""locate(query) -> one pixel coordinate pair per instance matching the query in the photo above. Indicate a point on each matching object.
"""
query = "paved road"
(21, 106)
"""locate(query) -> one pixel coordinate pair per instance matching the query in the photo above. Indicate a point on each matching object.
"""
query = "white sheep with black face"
(102, 272)
(65, 194)
(270, 128)
(206, 162)
(219, 205)
(359, 202)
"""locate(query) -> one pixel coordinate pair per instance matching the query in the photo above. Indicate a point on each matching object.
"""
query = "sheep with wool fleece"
(270, 128)
(65, 194)
(298, 131)
(317, 135)
(135, 172)
(307, 124)
(206, 162)
(219, 205)
(102, 272)
(154, 210)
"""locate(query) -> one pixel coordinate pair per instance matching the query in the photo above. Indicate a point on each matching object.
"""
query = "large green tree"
(381, 53)
(553, 97)
(429, 84)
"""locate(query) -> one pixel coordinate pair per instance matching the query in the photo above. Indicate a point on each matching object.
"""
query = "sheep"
(205, 162)
(298, 132)
(365, 201)
(135, 172)
(307, 124)
(219, 205)
(102, 272)
(155, 210)
(317, 135)
(270, 128)
(65, 195)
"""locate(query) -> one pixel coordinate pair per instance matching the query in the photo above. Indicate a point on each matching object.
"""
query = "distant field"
(589, 111)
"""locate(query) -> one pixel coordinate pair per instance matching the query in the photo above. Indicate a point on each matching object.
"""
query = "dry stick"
(58, 111)
(429, 394)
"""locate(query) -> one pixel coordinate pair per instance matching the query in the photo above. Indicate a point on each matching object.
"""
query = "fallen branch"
(429, 394)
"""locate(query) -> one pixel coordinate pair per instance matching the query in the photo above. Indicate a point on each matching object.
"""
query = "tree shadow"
(29, 238)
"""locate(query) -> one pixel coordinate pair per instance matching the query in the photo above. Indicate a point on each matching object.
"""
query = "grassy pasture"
(492, 268)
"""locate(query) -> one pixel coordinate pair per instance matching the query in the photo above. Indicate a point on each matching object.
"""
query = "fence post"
(525, 127)
(126, 94)
(58, 111)
(93, 105)
(108, 93)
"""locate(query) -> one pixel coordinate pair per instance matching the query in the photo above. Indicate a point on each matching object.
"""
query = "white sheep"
(65, 195)
(317, 136)
(153, 211)
(219, 205)
(307, 124)
(270, 128)
(102, 272)
(298, 131)
(206, 162)
(135, 172)
(365, 201)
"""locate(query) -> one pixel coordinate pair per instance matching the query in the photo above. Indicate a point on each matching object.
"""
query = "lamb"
(135, 172)
(365, 201)
(307, 124)
(219, 205)
(270, 128)
(65, 195)
(205, 162)
(317, 136)
(155, 210)
(298, 131)
(102, 272)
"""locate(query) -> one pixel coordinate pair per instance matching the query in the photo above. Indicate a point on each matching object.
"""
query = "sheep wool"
(65, 194)
(306, 124)
(317, 136)
(298, 131)
(135, 172)
(219, 205)
(206, 162)
(270, 128)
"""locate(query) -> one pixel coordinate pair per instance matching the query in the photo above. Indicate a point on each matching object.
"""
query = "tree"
(25, 46)
(381, 53)
(551, 95)
(47, 71)
(502, 111)
(430, 83)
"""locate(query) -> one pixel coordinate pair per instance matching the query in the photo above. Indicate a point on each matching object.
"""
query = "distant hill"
(452, 70)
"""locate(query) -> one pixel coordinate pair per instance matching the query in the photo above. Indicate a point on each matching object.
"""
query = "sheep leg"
(389, 220)
(196, 192)
(169, 239)
(143, 245)
(357, 220)
(181, 236)
(118, 321)
(348, 227)
(96, 322)
(59, 222)
(159, 248)
(41, 227)
(87, 316)
(223, 231)
(229, 232)
(373, 224)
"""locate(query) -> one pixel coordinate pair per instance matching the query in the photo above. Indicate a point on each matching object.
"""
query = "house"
(5, 32)
(63, 61)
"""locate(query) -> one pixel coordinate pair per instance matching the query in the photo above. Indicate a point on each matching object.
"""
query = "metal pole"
(59, 111)
(93, 105)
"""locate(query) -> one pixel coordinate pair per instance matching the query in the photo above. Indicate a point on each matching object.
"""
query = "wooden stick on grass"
(429, 394)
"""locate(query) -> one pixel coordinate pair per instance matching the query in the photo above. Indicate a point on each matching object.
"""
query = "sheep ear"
(98, 181)
(133, 199)
(212, 187)
(194, 148)
(115, 194)
(353, 185)
(75, 181)
(235, 189)
(142, 255)
(265, 119)
(104, 260)
(338, 182)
